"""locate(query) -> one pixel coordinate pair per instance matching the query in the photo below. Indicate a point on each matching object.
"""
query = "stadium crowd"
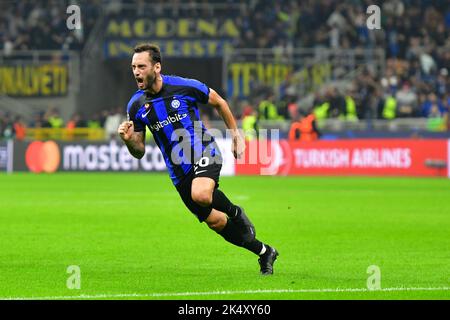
(415, 36)
(41, 25)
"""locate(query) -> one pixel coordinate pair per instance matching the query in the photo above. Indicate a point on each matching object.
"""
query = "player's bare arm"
(135, 141)
(222, 107)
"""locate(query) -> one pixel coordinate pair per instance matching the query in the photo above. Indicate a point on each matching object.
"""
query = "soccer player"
(167, 105)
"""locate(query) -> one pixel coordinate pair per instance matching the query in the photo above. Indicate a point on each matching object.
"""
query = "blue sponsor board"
(181, 48)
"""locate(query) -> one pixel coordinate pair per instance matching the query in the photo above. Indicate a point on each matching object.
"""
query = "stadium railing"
(64, 134)
(385, 127)
(338, 125)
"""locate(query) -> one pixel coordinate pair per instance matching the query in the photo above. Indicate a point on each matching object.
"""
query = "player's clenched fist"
(238, 147)
(126, 130)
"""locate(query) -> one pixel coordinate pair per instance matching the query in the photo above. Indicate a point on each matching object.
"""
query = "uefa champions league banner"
(110, 156)
(372, 157)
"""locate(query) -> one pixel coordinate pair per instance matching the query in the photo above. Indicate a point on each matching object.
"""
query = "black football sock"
(254, 246)
(233, 234)
(222, 203)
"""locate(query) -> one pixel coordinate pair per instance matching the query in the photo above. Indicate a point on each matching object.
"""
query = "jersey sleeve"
(132, 109)
(200, 91)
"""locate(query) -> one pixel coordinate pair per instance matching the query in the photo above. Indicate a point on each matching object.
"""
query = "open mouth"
(140, 82)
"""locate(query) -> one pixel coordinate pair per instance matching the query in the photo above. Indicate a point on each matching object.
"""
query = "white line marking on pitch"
(186, 294)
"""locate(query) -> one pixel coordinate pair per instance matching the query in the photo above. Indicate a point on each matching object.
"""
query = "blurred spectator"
(318, 99)
(431, 102)
(112, 122)
(20, 129)
(427, 62)
(350, 107)
(292, 107)
(267, 109)
(250, 123)
(389, 81)
(53, 118)
(406, 102)
(337, 103)
(37, 120)
(321, 106)
(103, 116)
(442, 85)
(76, 121)
(6, 126)
(304, 128)
(95, 121)
(8, 46)
(368, 95)
(437, 121)
(388, 107)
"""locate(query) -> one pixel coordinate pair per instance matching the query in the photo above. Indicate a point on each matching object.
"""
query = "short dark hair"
(152, 49)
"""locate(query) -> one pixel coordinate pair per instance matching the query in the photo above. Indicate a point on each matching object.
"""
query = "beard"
(150, 80)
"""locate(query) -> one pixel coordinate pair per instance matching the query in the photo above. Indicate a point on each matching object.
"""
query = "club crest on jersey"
(175, 104)
(147, 105)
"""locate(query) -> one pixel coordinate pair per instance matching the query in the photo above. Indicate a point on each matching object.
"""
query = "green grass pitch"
(132, 238)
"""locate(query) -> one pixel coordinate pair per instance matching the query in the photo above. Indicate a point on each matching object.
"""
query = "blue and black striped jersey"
(173, 117)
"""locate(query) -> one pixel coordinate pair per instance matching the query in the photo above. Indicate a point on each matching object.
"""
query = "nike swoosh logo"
(145, 114)
(197, 172)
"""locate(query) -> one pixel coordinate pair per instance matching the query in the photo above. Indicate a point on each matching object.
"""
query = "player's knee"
(202, 197)
(217, 224)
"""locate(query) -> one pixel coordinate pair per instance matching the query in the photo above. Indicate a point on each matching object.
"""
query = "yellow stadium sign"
(164, 28)
(45, 80)
(243, 76)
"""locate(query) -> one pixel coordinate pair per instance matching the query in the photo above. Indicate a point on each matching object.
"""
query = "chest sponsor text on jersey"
(170, 119)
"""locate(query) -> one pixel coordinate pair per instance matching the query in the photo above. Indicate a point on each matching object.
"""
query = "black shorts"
(184, 188)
